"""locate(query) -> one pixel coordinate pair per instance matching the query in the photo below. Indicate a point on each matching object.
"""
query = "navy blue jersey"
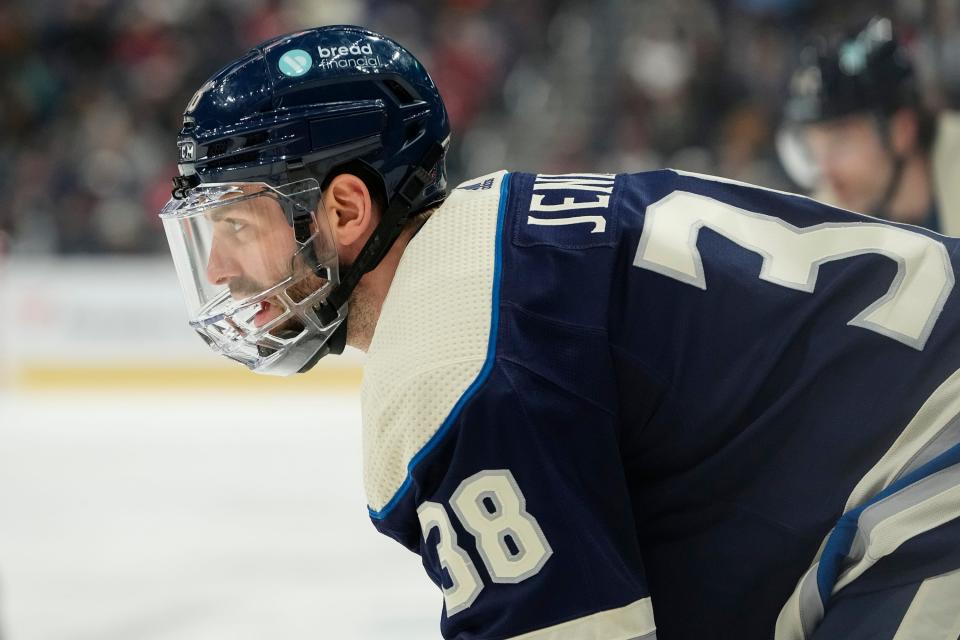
(650, 405)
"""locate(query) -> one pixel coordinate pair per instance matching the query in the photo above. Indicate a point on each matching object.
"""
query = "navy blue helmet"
(314, 100)
(867, 71)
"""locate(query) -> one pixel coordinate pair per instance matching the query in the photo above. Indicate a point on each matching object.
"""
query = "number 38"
(510, 541)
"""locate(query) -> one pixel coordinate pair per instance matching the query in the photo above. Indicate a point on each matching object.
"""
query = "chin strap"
(881, 208)
(334, 345)
(392, 223)
(386, 233)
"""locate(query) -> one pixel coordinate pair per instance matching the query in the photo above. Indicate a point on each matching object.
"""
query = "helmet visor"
(253, 261)
(796, 156)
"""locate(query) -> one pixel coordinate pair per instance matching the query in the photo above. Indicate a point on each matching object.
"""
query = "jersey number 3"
(510, 542)
(792, 257)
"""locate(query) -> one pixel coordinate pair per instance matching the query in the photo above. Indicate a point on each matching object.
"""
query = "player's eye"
(235, 225)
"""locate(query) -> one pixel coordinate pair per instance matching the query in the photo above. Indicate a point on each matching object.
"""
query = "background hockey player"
(598, 406)
(859, 135)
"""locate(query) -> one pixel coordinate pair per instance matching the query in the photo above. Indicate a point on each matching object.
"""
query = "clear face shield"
(255, 262)
(797, 157)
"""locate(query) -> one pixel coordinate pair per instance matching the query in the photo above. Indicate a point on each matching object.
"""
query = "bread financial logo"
(336, 57)
(295, 63)
(353, 50)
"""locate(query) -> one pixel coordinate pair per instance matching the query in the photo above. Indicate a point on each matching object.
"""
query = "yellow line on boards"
(52, 377)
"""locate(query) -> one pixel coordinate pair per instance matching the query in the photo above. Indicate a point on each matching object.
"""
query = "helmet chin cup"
(332, 346)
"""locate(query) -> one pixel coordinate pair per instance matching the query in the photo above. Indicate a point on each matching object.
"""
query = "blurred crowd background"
(93, 90)
(207, 515)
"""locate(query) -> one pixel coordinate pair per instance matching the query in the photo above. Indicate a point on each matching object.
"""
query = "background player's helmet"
(266, 133)
(867, 71)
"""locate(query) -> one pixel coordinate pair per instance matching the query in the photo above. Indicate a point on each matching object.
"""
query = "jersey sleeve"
(523, 518)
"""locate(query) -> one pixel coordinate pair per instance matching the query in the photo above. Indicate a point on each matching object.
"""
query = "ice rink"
(226, 516)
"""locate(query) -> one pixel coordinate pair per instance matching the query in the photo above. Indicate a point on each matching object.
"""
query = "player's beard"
(364, 309)
(299, 291)
(364, 313)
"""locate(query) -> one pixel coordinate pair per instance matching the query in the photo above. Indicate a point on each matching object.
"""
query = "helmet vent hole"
(218, 148)
(241, 158)
(413, 131)
(255, 138)
(399, 92)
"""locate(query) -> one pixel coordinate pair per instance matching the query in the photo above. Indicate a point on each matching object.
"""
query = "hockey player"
(598, 406)
(858, 135)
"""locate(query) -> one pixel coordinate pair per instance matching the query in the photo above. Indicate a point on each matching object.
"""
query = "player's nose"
(221, 267)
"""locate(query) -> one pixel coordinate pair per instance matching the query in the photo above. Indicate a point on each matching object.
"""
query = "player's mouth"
(268, 311)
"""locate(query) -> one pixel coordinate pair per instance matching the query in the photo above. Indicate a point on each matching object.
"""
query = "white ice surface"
(171, 517)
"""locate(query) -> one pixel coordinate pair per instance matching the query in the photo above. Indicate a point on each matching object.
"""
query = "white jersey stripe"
(803, 605)
(934, 416)
(883, 537)
(933, 614)
(632, 622)
(928, 429)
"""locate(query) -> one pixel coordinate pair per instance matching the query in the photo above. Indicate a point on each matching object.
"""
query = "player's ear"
(349, 210)
(904, 129)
